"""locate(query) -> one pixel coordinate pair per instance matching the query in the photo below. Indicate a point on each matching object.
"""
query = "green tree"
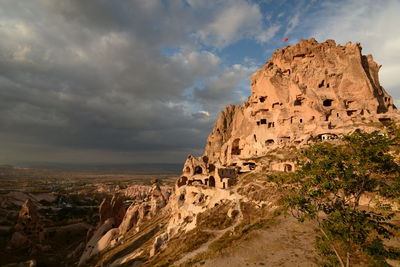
(328, 186)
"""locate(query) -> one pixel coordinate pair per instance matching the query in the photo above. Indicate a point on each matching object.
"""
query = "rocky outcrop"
(141, 192)
(93, 246)
(113, 208)
(29, 231)
(222, 132)
(111, 214)
(159, 244)
(113, 227)
(306, 92)
(189, 201)
(137, 213)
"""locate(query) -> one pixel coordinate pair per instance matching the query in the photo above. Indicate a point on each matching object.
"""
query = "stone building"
(198, 171)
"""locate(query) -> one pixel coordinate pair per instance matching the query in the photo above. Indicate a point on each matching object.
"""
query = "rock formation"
(141, 192)
(113, 227)
(29, 231)
(111, 214)
(159, 243)
(92, 247)
(306, 92)
(112, 209)
(137, 213)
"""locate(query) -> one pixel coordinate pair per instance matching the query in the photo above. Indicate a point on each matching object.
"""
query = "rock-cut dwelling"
(306, 93)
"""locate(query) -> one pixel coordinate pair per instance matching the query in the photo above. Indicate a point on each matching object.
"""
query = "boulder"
(159, 244)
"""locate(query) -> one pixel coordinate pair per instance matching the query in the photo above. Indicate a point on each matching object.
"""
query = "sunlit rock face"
(116, 222)
(306, 92)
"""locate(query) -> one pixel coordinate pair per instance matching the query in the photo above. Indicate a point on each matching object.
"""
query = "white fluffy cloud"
(199, 63)
(236, 20)
(230, 86)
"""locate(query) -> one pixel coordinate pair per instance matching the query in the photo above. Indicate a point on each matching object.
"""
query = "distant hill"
(143, 168)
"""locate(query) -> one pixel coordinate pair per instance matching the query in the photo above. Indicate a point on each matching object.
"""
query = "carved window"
(350, 112)
(298, 102)
(269, 142)
(198, 170)
(327, 102)
(211, 181)
(288, 168)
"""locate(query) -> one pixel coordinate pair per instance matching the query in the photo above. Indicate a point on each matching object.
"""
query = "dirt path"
(218, 234)
(289, 243)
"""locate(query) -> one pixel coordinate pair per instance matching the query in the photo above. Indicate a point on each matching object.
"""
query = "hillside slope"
(225, 209)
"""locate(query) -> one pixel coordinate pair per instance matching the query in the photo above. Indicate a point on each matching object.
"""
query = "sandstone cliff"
(304, 93)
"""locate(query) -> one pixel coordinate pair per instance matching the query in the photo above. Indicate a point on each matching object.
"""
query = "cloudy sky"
(112, 81)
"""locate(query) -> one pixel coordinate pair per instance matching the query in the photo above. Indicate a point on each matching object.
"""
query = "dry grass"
(215, 218)
(254, 219)
(144, 239)
(178, 246)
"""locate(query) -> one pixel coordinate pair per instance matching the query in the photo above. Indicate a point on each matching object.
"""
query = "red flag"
(285, 40)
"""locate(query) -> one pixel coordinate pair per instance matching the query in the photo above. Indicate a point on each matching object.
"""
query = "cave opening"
(327, 102)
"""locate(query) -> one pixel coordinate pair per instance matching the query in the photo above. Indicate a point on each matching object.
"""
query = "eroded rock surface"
(111, 214)
(113, 227)
(113, 208)
(306, 92)
(95, 244)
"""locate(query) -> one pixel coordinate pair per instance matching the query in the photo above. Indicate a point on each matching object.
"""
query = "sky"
(142, 81)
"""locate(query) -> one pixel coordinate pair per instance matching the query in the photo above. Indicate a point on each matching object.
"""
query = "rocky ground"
(191, 225)
(202, 226)
(46, 219)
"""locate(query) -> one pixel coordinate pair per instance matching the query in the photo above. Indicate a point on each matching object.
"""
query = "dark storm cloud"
(88, 76)
(92, 77)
